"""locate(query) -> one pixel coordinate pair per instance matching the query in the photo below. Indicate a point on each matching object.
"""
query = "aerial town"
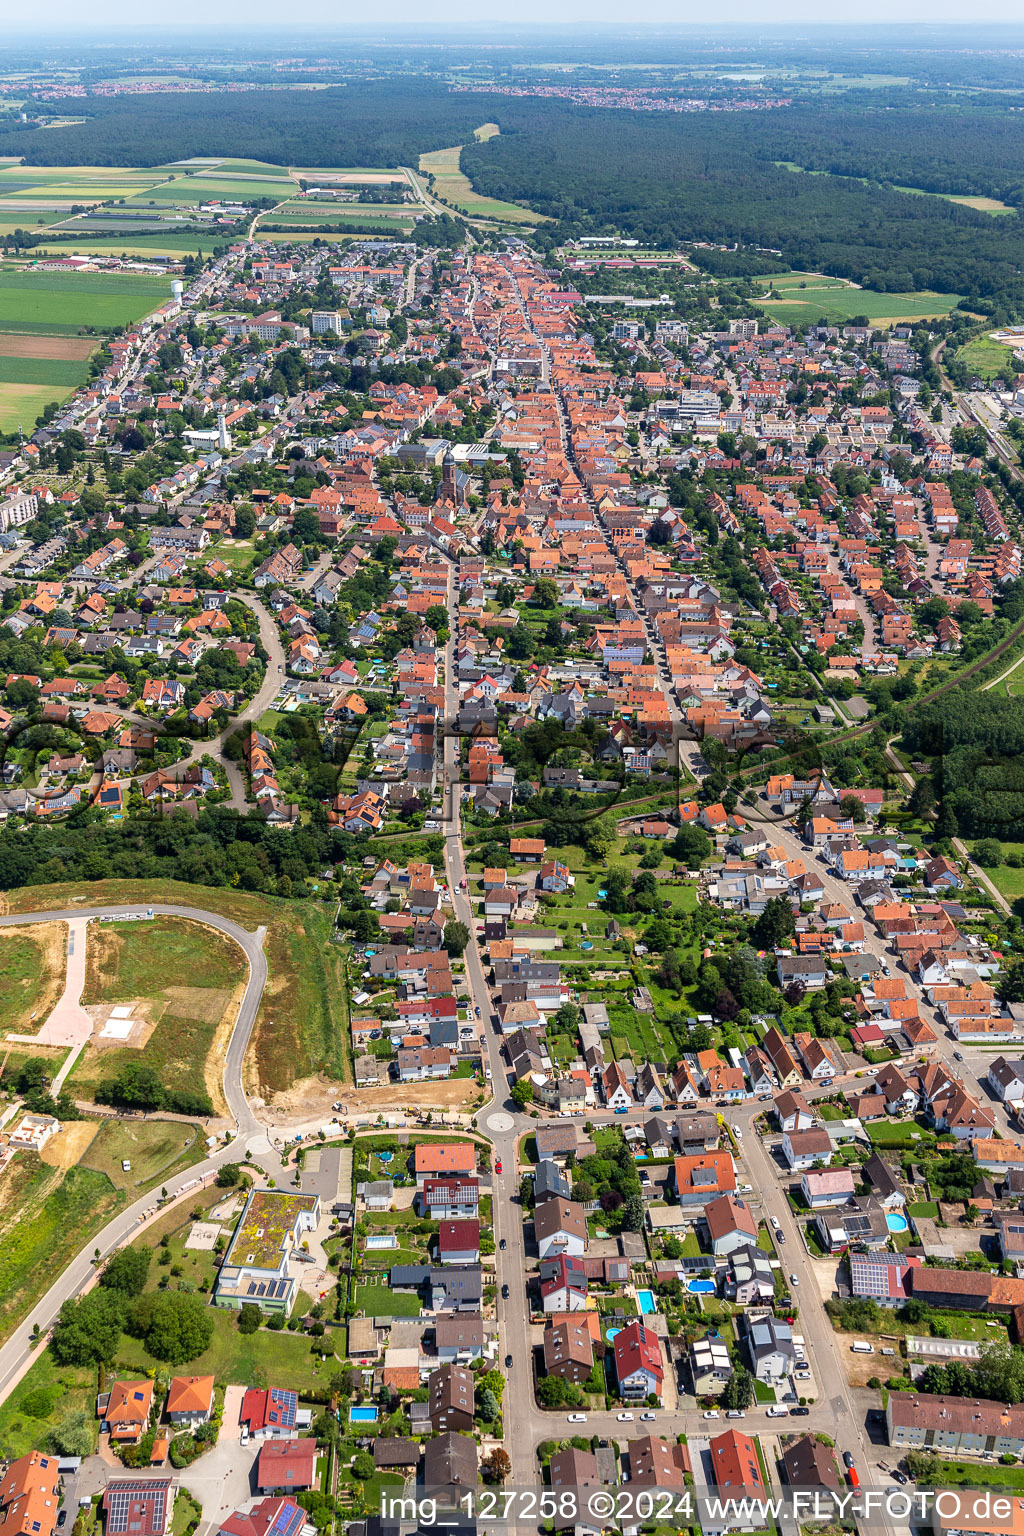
(592, 664)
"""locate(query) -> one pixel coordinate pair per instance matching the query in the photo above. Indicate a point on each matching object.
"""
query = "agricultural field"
(804, 297)
(175, 242)
(454, 187)
(61, 303)
(21, 404)
(60, 186)
(139, 963)
(42, 355)
(32, 963)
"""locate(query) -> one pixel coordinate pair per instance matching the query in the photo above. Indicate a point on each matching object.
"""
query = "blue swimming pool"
(646, 1300)
(701, 1287)
(613, 1333)
(896, 1223)
(362, 1415)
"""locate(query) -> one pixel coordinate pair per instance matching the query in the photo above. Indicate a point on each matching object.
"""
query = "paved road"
(252, 1135)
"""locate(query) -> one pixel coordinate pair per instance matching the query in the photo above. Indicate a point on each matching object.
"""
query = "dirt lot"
(313, 1096)
(30, 995)
(74, 347)
(69, 1145)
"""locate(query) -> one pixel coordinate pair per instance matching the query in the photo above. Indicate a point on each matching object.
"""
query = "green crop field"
(64, 373)
(838, 302)
(59, 303)
(20, 404)
(174, 243)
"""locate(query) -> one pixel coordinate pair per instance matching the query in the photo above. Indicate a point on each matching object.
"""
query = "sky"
(59, 14)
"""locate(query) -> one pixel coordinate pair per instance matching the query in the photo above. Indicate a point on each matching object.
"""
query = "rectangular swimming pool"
(362, 1415)
(647, 1304)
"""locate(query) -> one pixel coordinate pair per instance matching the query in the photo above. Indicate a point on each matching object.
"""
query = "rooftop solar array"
(134, 1506)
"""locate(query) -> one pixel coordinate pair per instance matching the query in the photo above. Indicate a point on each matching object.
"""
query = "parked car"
(799, 1413)
(497, 1166)
(648, 1418)
(624, 1418)
(712, 1413)
(503, 1245)
(508, 1362)
(735, 1413)
(847, 1460)
(504, 1293)
(793, 1280)
(577, 1418)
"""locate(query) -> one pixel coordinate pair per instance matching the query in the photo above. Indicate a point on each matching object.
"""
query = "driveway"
(224, 1479)
(229, 1425)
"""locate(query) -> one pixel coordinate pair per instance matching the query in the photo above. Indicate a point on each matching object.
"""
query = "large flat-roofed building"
(269, 1231)
(975, 1426)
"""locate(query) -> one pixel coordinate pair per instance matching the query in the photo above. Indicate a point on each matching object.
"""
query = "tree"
(545, 593)
(989, 853)
(179, 1326)
(126, 1272)
(739, 1389)
(487, 1405)
(87, 1331)
(851, 807)
(633, 1214)
(776, 925)
(456, 937)
(551, 1391)
(568, 1016)
(72, 1435)
(229, 1175)
(497, 1466)
(522, 1093)
(691, 846)
(249, 1318)
(362, 1466)
(245, 522)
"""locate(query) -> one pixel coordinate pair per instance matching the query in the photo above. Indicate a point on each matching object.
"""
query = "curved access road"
(251, 1135)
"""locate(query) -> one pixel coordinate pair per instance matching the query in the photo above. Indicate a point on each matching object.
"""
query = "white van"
(860, 1348)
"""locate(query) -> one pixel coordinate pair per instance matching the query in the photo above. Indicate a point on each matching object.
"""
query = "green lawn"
(27, 986)
(381, 1301)
(970, 1474)
(900, 1133)
(253, 1360)
(987, 359)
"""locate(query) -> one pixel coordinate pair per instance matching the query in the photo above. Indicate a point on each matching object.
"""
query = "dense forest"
(386, 123)
(975, 742)
(718, 177)
(663, 177)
